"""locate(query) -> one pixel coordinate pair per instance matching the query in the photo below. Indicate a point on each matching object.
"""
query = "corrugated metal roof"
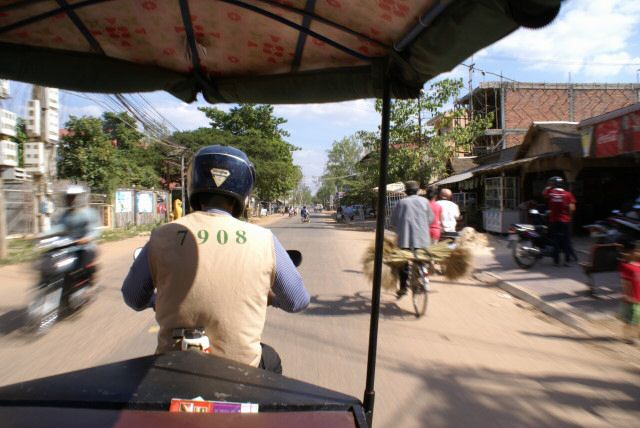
(494, 167)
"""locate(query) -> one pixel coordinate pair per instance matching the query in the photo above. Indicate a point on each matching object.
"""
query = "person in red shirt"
(630, 278)
(562, 205)
(434, 227)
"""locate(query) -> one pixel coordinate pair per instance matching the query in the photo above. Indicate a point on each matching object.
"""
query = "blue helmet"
(221, 170)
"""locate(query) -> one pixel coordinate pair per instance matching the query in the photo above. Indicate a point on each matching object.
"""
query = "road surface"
(479, 357)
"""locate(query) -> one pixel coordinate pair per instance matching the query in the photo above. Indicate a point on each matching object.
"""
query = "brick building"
(516, 105)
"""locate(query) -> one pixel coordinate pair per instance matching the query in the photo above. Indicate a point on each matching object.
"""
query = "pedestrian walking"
(562, 205)
(435, 227)
(630, 308)
(450, 211)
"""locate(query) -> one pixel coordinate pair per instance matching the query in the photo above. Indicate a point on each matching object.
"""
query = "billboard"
(144, 202)
(123, 201)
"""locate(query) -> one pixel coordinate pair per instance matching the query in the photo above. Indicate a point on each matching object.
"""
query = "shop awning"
(512, 164)
(454, 178)
(494, 167)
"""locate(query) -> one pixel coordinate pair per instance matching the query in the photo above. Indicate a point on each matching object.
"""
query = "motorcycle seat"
(522, 226)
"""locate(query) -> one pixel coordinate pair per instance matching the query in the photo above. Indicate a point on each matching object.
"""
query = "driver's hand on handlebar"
(83, 241)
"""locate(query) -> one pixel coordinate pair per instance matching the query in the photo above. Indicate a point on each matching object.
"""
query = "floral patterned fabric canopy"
(248, 50)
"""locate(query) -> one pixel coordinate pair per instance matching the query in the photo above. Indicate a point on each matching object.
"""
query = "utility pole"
(40, 151)
(420, 117)
(471, 91)
(8, 159)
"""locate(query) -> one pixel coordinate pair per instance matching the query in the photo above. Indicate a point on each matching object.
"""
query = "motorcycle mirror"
(295, 256)
(137, 252)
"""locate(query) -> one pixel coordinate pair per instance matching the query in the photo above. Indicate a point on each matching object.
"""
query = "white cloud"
(312, 163)
(610, 64)
(585, 34)
(184, 116)
(337, 114)
(85, 110)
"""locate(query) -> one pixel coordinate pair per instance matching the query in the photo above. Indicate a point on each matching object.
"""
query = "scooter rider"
(304, 213)
(214, 271)
(79, 222)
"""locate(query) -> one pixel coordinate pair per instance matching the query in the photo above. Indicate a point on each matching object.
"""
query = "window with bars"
(501, 193)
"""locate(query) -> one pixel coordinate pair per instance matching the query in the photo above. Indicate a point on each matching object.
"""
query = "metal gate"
(392, 200)
(20, 209)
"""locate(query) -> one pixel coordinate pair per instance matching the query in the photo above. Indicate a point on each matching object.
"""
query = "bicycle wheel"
(419, 295)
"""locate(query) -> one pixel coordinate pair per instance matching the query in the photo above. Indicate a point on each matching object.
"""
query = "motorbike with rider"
(67, 264)
(211, 274)
(304, 214)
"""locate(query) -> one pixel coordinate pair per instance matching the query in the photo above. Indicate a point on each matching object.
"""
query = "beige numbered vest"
(213, 271)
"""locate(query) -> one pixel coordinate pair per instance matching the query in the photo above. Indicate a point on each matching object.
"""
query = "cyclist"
(411, 220)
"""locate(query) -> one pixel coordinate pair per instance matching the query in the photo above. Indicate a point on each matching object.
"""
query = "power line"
(501, 76)
(110, 108)
(158, 113)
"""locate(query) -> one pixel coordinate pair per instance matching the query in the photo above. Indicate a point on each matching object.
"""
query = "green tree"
(247, 119)
(342, 160)
(139, 161)
(122, 128)
(86, 154)
(272, 157)
(109, 152)
(418, 152)
(323, 194)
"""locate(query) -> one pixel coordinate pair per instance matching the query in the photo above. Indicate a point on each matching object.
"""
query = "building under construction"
(516, 105)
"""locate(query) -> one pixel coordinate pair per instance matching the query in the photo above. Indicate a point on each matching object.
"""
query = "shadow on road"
(588, 339)
(494, 398)
(12, 321)
(359, 303)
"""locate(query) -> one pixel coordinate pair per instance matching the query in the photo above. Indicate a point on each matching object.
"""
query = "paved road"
(478, 358)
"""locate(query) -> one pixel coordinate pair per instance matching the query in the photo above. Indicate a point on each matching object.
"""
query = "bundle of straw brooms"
(457, 260)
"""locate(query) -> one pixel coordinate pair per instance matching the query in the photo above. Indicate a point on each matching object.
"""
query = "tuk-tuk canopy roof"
(271, 51)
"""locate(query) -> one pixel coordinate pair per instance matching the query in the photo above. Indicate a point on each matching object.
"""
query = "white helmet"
(75, 189)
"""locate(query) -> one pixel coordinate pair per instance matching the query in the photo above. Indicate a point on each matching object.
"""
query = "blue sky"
(591, 41)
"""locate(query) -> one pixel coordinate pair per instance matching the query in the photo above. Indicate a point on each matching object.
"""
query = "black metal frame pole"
(369, 392)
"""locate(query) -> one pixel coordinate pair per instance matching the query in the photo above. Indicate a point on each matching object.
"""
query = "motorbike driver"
(80, 223)
(411, 219)
(304, 213)
(211, 270)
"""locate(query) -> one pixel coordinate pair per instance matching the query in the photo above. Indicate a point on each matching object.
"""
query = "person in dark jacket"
(411, 220)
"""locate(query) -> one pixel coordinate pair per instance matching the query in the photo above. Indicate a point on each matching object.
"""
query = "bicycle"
(418, 284)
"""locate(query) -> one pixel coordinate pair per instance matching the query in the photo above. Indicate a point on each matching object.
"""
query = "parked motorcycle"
(530, 242)
(64, 287)
(617, 228)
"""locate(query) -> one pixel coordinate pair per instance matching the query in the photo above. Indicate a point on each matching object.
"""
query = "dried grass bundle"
(457, 261)
(458, 264)
(468, 237)
(389, 273)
